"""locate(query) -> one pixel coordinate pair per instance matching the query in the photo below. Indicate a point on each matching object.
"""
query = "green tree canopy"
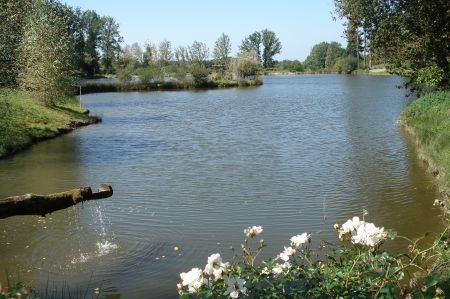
(324, 56)
(268, 41)
(412, 36)
(47, 52)
(271, 46)
(13, 15)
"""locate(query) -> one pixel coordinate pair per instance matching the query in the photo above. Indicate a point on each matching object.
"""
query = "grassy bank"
(171, 85)
(24, 121)
(428, 119)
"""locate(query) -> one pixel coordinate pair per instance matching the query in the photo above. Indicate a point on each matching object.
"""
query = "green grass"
(23, 120)
(429, 118)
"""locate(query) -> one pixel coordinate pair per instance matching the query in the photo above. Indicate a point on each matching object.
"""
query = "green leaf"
(432, 281)
(186, 296)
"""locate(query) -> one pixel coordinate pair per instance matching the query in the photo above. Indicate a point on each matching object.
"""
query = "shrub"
(124, 74)
(346, 65)
(199, 74)
(151, 74)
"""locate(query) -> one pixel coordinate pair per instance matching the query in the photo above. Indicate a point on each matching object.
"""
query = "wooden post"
(34, 204)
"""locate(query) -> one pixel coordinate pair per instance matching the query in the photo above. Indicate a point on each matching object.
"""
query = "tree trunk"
(34, 204)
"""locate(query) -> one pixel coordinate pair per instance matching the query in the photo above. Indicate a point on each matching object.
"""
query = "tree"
(252, 43)
(198, 53)
(13, 14)
(110, 43)
(324, 55)
(47, 53)
(411, 36)
(316, 59)
(164, 52)
(181, 55)
(269, 42)
(222, 50)
(334, 51)
(150, 55)
(93, 28)
(271, 46)
(136, 54)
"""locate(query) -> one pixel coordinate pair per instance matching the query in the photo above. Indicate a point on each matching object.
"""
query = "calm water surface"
(193, 169)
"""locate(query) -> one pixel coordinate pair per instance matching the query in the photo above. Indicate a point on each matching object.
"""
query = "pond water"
(193, 169)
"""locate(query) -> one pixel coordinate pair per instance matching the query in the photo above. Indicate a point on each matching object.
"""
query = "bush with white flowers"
(358, 268)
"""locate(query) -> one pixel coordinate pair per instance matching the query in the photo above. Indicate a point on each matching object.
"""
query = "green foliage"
(408, 35)
(151, 74)
(110, 43)
(23, 119)
(199, 75)
(269, 42)
(13, 17)
(164, 52)
(180, 73)
(198, 53)
(252, 44)
(125, 74)
(346, 65)
(430, 76)
(271, 46)
(246, 65)
(290, 65)
(18, 291)
(222, 50)
(353, 269)
(324, 56)
(429, 117)
(46, 53)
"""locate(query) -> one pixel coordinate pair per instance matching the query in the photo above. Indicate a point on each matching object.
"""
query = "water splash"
(83, 258)
(105, 247)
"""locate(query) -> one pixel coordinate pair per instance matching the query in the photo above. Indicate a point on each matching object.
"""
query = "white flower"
(363, 233)
(235, 286)
(300, 239)
(279, 268)
(288, 252)
(215, 266)
(192, 279)
(214, 261)
(349, 226)
(253, 231)
(265, 271)
(368, 234)
(220, 271)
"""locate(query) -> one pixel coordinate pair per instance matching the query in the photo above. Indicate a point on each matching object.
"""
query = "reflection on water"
(190, 170)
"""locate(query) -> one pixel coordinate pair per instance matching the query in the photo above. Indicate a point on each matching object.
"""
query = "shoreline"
(25, 122)
(416, 122)
(431, 167)
(71, 126)
(165, 86)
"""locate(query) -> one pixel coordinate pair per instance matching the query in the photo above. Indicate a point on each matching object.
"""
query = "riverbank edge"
(72, 119)
(15, 149)
(166, 86)
(432, 167)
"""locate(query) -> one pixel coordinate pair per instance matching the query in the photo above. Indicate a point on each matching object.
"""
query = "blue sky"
(299, 24)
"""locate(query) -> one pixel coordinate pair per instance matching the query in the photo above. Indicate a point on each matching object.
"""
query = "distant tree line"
(155, 61)
(45, 45)
(323, 57)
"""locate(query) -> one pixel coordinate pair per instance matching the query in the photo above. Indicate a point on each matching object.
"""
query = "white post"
(80, 95)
